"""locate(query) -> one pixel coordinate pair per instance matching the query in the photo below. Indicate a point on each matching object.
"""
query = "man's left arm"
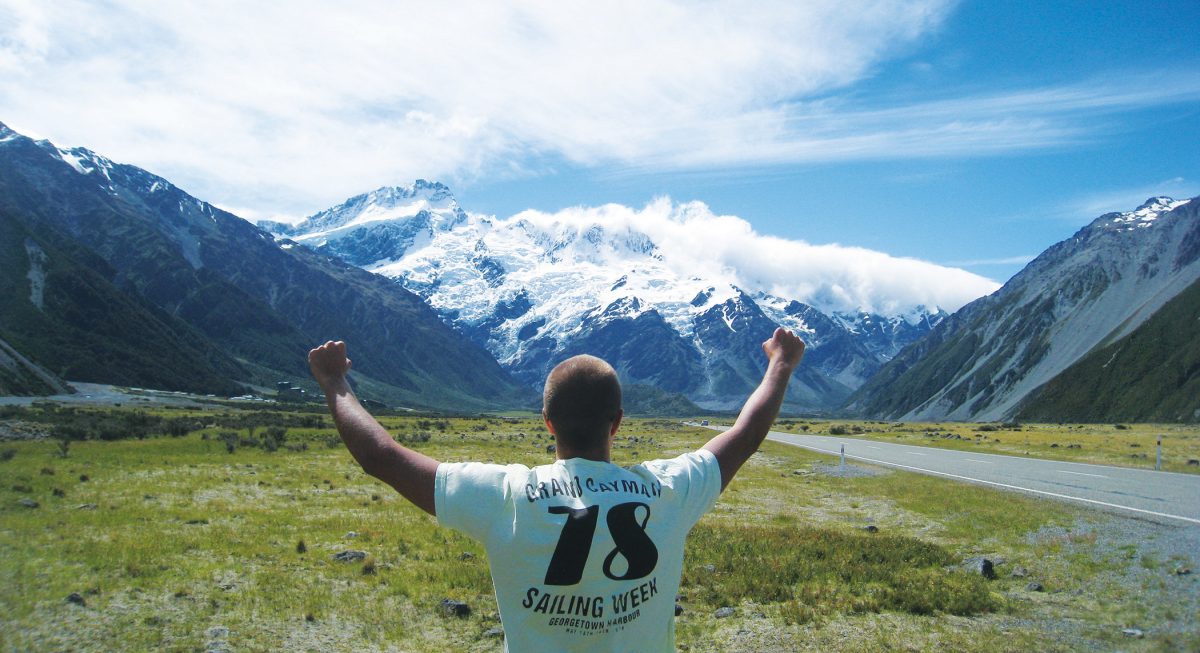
(735, 446)
(411, 473)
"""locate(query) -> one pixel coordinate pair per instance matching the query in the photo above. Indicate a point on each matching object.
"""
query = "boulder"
(350, 556)
(452, 608)
(981, 566)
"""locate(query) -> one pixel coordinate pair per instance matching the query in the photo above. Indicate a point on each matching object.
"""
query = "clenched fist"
(328, 362)
(784, 345)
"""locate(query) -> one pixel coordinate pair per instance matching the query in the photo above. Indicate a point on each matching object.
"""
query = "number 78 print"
(575, 543)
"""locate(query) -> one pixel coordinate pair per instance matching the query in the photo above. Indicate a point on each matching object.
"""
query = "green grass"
(171, 537)
(816, 572)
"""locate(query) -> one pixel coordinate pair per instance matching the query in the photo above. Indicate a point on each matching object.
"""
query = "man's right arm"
(411, 473)
(735, 446)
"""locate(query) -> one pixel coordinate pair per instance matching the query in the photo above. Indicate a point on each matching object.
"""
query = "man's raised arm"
(735, 446)
(410, 472)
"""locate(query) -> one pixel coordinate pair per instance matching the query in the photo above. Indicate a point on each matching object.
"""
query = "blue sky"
(971, 135)
(988, 213)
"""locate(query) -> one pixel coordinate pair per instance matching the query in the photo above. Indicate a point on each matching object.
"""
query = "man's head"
(582, 402)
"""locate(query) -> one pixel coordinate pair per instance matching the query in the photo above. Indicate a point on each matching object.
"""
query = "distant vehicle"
(704, 423)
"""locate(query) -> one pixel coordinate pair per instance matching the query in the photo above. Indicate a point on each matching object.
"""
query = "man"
(584, 555)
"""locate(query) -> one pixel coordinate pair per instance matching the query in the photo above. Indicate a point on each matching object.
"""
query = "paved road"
(1165, 495)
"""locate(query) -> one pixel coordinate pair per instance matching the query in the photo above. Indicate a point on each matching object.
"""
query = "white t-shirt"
(584, 555)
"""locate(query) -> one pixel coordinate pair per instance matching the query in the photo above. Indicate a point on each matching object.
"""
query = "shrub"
(273, 438)
(838, 429)
(180, 426)
(7, 454)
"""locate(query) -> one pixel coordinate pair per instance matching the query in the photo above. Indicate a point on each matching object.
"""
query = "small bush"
(7, 454)
(230, 439)
(838, 429)
(414, 437)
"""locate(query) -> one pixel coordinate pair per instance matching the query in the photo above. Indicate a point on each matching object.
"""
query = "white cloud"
(1004, 260)
(290, 107)
(692, 238)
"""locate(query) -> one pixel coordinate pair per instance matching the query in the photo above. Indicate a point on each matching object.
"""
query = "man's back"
(584, 554)
(581, 549)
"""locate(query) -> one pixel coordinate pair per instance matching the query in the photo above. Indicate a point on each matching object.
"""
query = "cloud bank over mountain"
(693, 239)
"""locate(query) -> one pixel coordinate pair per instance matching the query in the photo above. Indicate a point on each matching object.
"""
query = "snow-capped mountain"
(373, 228)
(1083, 293)
(122, 277)
(534, 289)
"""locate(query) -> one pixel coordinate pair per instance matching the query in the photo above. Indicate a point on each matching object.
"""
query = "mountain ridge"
(533, 290)
(261, 300)
(1081, 293)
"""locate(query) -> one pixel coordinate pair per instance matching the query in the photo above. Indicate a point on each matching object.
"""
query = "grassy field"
(1126, 445)
(205, 541)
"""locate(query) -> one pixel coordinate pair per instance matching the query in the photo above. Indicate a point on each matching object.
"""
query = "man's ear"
(616, 423)
(549, 426)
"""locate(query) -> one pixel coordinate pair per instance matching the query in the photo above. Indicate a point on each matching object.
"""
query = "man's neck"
(598, 455)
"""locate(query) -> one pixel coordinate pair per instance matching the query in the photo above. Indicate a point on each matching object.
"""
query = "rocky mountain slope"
(1150, 375)
(244, 307)
(534, 289)
(1089, 291)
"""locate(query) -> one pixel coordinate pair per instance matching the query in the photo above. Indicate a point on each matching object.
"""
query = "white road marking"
(1081, 473)
(913, 453)
(976, 460)
(870, 447)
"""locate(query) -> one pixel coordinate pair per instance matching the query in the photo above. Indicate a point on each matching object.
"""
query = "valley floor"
(211, 542)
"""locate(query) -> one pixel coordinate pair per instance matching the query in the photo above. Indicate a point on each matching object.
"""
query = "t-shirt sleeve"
(697, 475)
(468, 497)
